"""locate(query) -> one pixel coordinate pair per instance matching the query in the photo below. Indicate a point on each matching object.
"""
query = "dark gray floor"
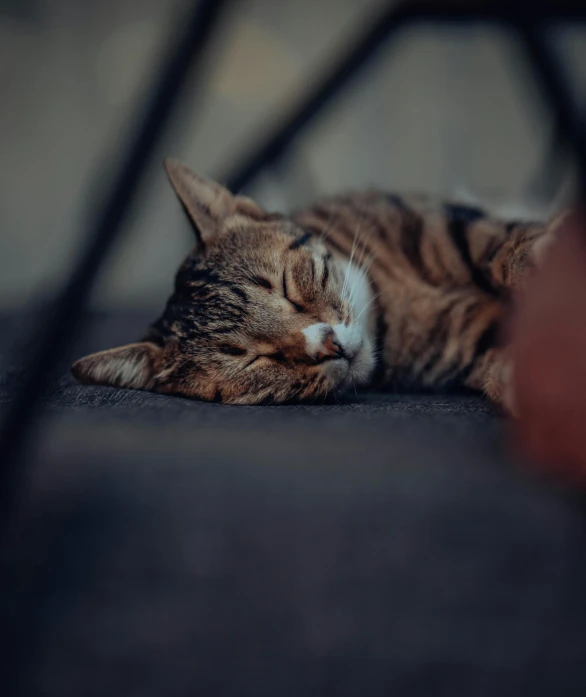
(385, 545)
(105, 331)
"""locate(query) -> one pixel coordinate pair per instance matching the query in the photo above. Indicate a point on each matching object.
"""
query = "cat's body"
(443, 275)
(364, 290)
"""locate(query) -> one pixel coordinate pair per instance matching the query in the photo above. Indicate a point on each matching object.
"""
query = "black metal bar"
(391, 19)
(281, 137)
(570, 128)
(54, 338)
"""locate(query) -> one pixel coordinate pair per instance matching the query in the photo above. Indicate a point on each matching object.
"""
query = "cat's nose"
(330, 347)
(321, 341)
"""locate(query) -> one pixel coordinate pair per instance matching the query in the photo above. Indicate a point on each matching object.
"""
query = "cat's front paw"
(541, 247)
(509, 398)
(500, 386)
(543, 243)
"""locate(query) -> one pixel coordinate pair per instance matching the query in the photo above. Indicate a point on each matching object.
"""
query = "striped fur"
(368, 289)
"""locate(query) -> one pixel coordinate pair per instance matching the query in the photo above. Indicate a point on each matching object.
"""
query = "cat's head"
(262, 313)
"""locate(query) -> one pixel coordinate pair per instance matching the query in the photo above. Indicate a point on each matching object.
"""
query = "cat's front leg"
(499, 385)
(494, 376)
(526, 251)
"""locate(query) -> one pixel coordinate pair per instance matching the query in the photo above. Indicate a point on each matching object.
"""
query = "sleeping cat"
(364, 290)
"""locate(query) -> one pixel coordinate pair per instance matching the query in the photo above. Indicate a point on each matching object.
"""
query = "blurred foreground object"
(550, 356)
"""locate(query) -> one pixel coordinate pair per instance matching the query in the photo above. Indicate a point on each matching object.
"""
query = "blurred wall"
(438, 111)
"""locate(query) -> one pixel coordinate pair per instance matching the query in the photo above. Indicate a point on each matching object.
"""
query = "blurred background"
(165, 546)
(446, 111)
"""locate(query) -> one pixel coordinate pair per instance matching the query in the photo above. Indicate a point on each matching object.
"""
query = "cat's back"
(419, 238)
(390, 216)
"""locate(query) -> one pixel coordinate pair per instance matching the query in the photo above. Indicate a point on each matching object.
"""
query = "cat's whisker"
(366, 264)
(371, 259)
(370, 302)
(352, 252)
(356, 288)
(362, 272)
(365, 240)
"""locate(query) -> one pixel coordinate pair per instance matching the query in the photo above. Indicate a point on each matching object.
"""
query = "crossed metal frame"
(63, 319)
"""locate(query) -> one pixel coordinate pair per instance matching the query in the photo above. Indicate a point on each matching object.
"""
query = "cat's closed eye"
(232, 350)
(276, 356)
(263, 282)
(297, 306)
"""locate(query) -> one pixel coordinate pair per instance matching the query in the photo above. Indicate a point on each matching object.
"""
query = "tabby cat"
(364, 290)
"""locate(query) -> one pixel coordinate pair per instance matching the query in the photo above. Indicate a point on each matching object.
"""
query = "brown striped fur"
(259, 288)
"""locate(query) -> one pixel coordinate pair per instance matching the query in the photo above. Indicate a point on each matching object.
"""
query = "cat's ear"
(207, 203)
(133, 366)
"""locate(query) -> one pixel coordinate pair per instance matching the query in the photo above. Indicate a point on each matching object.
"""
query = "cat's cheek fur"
(336, 374)
(357, 372)
(350, 338)
(363, 365)
(356, 289)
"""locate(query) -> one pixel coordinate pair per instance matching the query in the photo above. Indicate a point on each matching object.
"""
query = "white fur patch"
(353, 338)
(349, 337)
(363, 365)
(356, 344)
(356, 338)
(314, 337)
(357, 291)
